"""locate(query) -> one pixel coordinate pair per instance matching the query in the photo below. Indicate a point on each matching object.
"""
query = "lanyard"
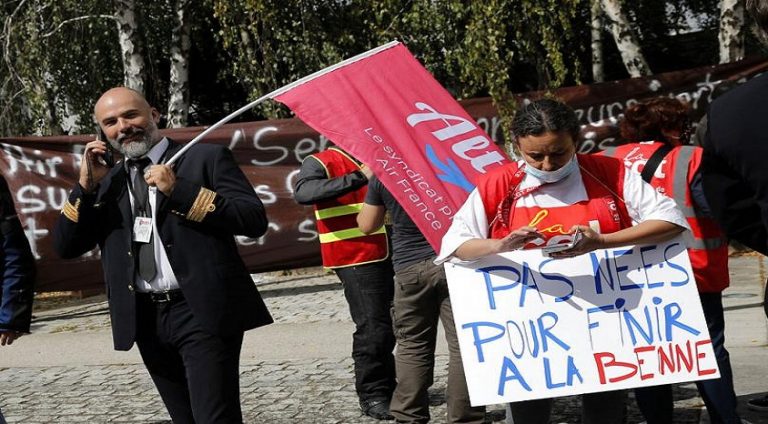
(505, 207)
(524, 192)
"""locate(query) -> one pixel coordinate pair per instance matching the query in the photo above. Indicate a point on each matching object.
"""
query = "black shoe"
(758, 403)
(376, 408)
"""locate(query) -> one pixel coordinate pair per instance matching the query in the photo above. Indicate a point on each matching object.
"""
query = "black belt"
(163, 296)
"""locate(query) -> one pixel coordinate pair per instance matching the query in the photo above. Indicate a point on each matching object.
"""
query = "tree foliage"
(471, 47)
(58, 55)
(273, 42)
(50, 65)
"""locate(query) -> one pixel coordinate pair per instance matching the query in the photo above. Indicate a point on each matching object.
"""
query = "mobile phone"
(108, 158)
(565, 246)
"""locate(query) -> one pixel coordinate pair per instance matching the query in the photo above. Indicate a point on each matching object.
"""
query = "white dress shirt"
(164, 279)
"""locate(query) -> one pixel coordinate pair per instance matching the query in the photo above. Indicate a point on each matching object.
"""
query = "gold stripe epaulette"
(202, 206)
(72, 212)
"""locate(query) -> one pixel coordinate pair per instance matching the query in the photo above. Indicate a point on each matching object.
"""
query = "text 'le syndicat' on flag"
(390, 113)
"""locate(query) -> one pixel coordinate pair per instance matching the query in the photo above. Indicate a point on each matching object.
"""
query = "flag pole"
(276, 93)
(208, 130)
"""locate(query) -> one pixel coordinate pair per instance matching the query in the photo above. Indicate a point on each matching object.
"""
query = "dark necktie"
(145, 258)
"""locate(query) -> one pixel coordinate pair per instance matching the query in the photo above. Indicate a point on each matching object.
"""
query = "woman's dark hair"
(645, 121)
(758, 9)
(542, 116)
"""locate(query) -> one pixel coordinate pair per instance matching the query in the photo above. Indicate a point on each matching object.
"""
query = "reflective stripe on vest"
(342, 244)
(680, 187)
(338, 211)
(346, 235)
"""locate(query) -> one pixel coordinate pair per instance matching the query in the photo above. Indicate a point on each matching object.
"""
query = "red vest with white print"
(603, 210)
(341, 242)
(709, 249)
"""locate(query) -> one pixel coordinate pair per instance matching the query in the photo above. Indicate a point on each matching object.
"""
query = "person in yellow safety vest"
(335, 184)
(658, 130)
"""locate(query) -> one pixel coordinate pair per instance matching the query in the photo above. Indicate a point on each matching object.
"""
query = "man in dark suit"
(18, 272)
(735, 149)
(733, 167)
(175, 282)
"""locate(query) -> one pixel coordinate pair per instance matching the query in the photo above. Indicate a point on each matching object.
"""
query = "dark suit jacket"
(735, 162)
(17, 266)
(203, 255)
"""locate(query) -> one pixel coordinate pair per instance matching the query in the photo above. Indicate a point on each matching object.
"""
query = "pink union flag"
(390, 113)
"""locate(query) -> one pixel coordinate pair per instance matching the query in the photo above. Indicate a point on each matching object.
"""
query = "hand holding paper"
(584, 240)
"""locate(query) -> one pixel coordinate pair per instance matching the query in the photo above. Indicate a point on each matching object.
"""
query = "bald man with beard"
(176, 284)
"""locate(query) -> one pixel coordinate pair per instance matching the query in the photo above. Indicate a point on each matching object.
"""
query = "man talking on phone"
(175, 282)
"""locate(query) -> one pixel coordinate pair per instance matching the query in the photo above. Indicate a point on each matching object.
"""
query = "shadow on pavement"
(754, 417)
(290, 291)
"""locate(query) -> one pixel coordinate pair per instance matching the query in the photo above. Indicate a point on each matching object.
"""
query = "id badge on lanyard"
(142, 225)
(142, 229)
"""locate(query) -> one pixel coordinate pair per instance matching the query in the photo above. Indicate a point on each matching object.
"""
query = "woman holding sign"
(566, 204)
(660, 129)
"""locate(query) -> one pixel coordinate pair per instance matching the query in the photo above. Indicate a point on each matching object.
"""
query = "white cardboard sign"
(535, 327)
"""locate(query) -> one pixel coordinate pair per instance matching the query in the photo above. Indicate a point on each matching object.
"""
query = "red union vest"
(708, 250)
(604, 209)
(342, 244)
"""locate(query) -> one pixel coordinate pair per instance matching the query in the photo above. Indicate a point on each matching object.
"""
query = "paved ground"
(297, 370)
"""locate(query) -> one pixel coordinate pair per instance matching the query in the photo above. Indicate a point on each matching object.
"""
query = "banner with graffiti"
(42, 170)
(391, 114)
(534, 327)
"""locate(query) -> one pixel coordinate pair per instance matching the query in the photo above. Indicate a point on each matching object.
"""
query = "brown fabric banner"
(42, 170)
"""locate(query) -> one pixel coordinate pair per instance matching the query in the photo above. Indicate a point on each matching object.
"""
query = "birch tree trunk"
(178, 103)
(128, 33)
(625, 38)
(598, 73)
(50, 114)
(731, 36)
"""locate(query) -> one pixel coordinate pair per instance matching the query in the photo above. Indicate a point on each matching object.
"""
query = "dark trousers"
(369, 289)
(596, 408)
(765, 299)
(656, 402)
(197, 374)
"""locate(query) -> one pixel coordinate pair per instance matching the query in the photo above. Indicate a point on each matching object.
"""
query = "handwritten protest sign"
(534, 327)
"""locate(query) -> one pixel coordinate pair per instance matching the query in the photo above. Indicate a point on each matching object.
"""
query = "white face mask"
(553, 176)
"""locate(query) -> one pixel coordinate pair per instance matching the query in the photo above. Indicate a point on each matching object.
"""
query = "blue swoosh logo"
(451, 173)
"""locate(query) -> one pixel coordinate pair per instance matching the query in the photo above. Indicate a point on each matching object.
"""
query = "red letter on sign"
(602, 365)
(701, 355)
